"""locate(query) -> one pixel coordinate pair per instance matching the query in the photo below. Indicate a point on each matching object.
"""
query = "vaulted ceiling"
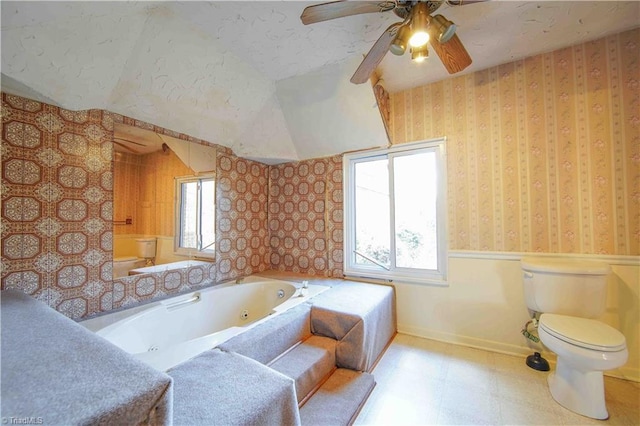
(250, 75)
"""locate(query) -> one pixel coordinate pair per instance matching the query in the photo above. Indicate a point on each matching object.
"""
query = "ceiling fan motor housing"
(403, 7)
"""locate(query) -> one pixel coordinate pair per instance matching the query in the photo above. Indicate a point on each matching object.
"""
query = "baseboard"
(626, 373)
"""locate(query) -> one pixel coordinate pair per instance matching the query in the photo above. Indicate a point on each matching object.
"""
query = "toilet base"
(579, 391)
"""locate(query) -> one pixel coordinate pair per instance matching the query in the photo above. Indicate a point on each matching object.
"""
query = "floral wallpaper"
(242, 237)
(57, 205)
(382, 101)
(543, 153)
(134, 289)
(57, 208)
(305, 217)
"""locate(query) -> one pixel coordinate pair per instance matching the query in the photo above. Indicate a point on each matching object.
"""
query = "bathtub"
(166, 333)
(164, 267)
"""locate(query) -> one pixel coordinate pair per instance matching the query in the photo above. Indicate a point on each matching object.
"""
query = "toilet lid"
(583, 332)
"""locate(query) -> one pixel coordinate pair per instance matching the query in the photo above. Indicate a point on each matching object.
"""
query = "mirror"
(163, 202)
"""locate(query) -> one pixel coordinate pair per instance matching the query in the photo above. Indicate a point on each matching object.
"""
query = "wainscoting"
(483, 305)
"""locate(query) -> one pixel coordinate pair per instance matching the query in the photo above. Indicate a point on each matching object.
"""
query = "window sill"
(396, 279)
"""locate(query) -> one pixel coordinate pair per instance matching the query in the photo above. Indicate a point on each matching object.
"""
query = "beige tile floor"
(423, 381)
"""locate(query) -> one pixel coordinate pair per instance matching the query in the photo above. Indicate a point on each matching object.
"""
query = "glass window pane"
(208, 223)
(188, 215)
(372, 232)
(415, 191)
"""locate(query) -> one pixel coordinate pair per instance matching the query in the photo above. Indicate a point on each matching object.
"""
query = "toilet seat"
(583, 332)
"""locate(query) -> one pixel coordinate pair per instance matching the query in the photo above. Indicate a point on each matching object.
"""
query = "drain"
(153, 349)
(244, 315)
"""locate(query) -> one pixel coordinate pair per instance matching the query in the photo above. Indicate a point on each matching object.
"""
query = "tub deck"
(55, 372)
(155, 333)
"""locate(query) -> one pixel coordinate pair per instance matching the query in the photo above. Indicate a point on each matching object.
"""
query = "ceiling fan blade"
(338, 9)
(128, 148)
(128, 140)
(375, 55)
(452, 54)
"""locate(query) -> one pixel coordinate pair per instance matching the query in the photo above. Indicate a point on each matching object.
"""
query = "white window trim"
(437, 277)
(181, 251)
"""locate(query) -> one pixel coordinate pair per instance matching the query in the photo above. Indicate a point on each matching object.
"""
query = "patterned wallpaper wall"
(543, 153)
(57, 205)
(305, 217)
(242, 237)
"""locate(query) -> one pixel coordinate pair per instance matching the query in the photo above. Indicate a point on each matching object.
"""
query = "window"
(395, 213)
(195, 216)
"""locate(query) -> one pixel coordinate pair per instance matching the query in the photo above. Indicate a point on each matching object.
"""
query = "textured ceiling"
(249, 75)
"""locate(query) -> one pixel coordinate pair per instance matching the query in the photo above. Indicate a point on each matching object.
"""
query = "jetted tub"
(166, 333)
(164, 267)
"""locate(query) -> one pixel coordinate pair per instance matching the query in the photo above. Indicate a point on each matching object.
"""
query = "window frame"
(436, 276)
(177, 248)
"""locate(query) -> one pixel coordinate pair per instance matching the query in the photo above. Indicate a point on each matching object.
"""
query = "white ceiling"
(249, 75)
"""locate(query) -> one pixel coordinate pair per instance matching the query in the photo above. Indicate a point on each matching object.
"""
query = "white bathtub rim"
(106, 319)
(104, 324)
(166, 304)
(183, 351)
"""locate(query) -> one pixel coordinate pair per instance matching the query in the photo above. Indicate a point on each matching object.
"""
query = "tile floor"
(423, 381)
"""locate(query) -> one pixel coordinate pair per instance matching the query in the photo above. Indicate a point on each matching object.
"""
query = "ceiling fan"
(418, 28)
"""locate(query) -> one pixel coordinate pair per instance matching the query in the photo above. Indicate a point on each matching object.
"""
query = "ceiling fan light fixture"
(419, 54)
(419, 39)
(419, 25)
(399, 45)
(417, 28)
(444, 28)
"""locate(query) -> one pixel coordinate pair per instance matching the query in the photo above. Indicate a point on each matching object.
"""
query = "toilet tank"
(146, 247)
(566, 287)
(122, 265)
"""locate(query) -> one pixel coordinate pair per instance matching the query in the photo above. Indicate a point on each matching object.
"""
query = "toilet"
(146, 249)
(569, 295)
(122, 265)
(146, 253)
